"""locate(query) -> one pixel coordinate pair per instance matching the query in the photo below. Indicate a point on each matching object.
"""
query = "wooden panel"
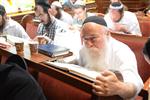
(133, 5)
(18, 16)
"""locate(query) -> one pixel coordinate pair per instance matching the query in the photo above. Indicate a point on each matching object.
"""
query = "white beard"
(95, 59)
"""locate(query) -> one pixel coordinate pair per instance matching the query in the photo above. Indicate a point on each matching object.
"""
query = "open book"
(75, 69)
(3, 42)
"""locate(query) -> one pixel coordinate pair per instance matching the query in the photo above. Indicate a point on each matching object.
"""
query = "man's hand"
(106, 84)
(121, 28)
(42, 39)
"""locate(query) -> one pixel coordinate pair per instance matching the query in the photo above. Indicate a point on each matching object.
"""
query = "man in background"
(54, 30)
(80, 14)
(104, 54)
(9, 26)
(125, 7)
(60, 14)
(69, 4)
(121, 21)
(49, 25)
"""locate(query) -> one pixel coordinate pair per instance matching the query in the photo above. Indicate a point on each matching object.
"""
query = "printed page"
(75, 69)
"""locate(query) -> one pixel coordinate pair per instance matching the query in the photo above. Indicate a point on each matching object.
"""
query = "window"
(13, 6)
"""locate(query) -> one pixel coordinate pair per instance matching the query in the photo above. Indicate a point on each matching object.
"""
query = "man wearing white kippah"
(59, 13)
(125, 7)
(121, 21)
(70, 3)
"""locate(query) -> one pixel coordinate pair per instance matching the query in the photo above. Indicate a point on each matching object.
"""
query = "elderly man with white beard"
(103, 53)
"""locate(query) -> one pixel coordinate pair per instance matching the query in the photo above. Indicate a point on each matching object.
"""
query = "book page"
(4, 43)
(75, 69)
(12, 39)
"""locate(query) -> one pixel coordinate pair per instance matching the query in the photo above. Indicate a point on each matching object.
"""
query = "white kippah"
(56, 4)
(80, 2)
(116, 7)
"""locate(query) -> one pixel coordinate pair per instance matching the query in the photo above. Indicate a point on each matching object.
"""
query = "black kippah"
(95, 19)
(43, 3)
(2, 10)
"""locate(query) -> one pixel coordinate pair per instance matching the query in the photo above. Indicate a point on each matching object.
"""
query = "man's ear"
(85, 9)
(81, 37)
(108, 33)
(5, 16)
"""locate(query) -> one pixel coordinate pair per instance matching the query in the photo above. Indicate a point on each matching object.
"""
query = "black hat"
(95, 19)
(2, 10)
(44, 3)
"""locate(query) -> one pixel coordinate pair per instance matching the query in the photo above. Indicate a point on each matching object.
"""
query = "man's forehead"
(93, 28)
(113, 10)
(39, 8)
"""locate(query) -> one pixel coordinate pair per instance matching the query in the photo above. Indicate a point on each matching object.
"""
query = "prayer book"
(3, 42)
(53, 50)
(75, 69)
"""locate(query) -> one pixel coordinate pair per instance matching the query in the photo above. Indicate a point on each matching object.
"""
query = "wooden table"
(35, 62)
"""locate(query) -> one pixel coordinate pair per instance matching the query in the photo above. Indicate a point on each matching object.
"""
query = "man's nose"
(89, 43)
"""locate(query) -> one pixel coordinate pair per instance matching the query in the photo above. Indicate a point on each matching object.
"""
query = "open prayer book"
(3, 42)
(12, 39)
(75, 69)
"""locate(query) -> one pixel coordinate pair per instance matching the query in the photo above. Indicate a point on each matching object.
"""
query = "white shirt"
(15, 29)
(129, 19)
(69, 39)
(67, 18)
(121, 58)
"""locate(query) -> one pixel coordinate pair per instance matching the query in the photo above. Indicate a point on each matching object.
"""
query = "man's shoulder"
(11, 23)
(129, 14)
(60, 23)
(65, 14)
(5, 67)
(12, 72)
(107, 17)
(118, 44)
